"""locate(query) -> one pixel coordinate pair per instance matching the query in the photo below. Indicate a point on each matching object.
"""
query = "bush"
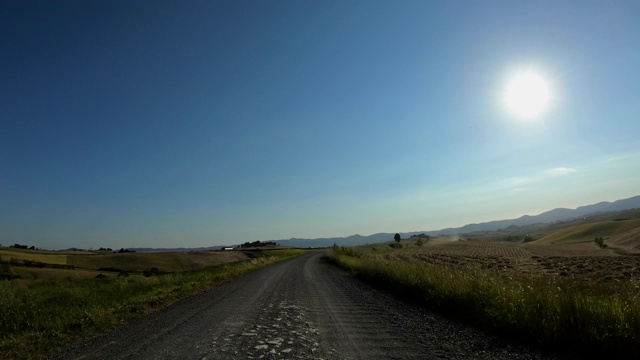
(111, 269)
(600, 242)
(151, 272)
(395, 246)
(341, 250)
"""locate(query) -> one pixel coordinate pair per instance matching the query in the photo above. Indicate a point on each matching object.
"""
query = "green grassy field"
(588, 232)
(40, 315)
(508, 289)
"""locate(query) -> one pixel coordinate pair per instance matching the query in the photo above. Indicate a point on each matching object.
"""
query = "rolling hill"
(588, 232)
(555, 215)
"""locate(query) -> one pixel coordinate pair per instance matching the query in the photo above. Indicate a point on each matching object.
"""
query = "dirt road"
(299, 309)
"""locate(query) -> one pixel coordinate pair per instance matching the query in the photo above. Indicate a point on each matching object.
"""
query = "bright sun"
(527, 95)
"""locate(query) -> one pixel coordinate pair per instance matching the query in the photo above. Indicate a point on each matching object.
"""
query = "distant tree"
(397, 238)
(600, 242)
(419, 242)
(258, 243)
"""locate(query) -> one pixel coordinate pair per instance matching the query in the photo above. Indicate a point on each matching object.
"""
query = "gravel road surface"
(304, 308)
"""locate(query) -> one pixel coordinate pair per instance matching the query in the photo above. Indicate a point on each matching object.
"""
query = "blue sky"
(198, 123)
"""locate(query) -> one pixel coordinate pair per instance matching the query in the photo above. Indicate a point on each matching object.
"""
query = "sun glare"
(527, 95)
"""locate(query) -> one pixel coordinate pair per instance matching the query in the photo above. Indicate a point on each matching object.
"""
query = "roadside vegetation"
(41, 315)
(580, 300)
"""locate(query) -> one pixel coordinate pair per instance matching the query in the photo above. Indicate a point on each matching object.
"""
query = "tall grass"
(562, 315)
(38, 317)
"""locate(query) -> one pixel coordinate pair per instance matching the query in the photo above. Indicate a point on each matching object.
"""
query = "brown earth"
(629, 241)
(584, 261)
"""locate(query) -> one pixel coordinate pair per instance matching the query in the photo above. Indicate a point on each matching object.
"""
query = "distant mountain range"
(560, 214)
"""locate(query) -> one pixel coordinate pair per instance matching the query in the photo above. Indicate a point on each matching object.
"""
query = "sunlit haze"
(527, 95)
(201, 123)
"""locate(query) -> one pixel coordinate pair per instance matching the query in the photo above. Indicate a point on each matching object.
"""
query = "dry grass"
(7, 254)
(574, 297)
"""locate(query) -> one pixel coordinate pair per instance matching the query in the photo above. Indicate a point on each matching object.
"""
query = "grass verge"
(39, 317)
(561, 315)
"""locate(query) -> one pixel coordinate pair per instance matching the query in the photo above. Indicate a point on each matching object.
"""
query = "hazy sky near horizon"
(199, 123)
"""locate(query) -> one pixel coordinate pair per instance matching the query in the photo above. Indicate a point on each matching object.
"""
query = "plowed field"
(584, 262)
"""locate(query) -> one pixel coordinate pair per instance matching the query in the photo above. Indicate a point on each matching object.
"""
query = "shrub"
(600, 242)
(151, 272)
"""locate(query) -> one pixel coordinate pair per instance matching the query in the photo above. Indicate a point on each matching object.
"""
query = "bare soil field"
(585, 262)
(629, 241)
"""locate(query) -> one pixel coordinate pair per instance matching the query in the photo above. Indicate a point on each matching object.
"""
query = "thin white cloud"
(522, 189)
(516, 181)
(563, 171)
